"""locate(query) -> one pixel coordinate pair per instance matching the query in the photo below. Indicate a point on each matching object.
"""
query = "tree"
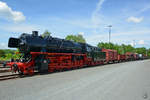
(106, 45)
(80, 39)
(2, 53)
(121, 49)
(129, 48)
(76, 38)
(7, 54)
(141, 50)
(46, 33)
(148, 52)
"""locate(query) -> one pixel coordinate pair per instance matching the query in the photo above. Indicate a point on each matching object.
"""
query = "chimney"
(34, 33)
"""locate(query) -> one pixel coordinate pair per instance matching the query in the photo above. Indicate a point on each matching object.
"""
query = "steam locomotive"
(49, 54)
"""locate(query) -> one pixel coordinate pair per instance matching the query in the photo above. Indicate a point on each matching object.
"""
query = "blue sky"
(130, 19)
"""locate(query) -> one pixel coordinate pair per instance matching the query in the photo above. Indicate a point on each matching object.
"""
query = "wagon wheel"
(20, 72)
(16, 69)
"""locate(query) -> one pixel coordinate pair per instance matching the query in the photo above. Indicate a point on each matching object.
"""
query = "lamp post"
(109, 26)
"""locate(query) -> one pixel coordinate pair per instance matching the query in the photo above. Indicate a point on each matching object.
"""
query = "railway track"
(1, 65)
(5, 73)
(5, 70)
(7, 77)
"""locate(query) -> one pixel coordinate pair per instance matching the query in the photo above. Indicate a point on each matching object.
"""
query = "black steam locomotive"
(27, 43)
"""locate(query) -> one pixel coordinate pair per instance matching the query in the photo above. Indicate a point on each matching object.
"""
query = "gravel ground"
(123, 81)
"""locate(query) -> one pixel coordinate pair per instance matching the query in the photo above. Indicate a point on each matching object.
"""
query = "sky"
(130, 20)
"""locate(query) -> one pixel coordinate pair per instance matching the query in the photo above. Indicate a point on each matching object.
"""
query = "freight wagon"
(121, 57)
(111, 55)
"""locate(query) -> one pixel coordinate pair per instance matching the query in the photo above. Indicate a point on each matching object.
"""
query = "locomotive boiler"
(27, 43)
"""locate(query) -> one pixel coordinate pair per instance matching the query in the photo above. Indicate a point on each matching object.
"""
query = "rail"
(7, 77)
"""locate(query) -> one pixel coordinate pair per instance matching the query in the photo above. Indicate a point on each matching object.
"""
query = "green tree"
(121, 49)
(129, 48)
(7, 54)
(107, 45)
(2, 53)
(141, 50)
(76, 38)
(46, 33)
(148, 52)
(81, 39)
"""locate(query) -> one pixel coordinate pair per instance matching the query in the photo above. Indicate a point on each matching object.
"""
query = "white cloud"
(125, 37)
(7, 13)
(145, 8)
(3, 46)
(81, 33)
(133, 43)
(96, 16)
(135, 19)
(95, 39)
(95, 22)
(20, 28)
(83, 23)
(141, 42)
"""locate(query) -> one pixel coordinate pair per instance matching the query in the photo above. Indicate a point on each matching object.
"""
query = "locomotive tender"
(49, 54)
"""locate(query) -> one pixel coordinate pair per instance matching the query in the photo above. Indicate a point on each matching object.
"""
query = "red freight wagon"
(115, 55)
(111, 55)
(121, 58)
(136, 56)
(129, 56)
